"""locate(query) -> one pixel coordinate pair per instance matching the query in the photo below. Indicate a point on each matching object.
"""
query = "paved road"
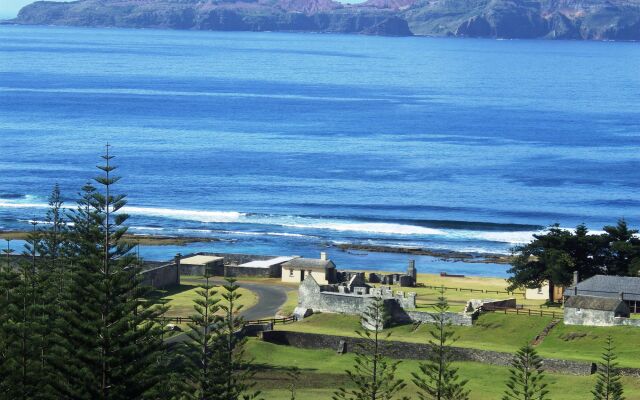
(270, 299)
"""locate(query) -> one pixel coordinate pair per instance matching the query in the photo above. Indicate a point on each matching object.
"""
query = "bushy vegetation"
(76, 322)
(555, 255)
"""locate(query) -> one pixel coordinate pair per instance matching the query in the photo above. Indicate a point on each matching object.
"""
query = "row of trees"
(75, 322)
(374, 377)
(556, 254)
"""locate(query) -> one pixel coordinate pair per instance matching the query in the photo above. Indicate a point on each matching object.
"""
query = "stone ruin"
(481, 305)
(410, 279)
(355, 297)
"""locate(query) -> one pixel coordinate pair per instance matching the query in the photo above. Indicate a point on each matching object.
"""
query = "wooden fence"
(274, 321)
(525, 311)
(470, 290)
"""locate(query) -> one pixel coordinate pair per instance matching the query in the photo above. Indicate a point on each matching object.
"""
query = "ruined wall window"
(540, 290)
(290, 273)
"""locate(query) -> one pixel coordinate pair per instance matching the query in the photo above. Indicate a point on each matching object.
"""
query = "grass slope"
(585, 343)
(500, 332)
(497, 332)
(323, 372)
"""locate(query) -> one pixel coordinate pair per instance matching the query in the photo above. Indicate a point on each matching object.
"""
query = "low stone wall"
(627, 322)
(417, 351)
(161, 276)
(452, 318)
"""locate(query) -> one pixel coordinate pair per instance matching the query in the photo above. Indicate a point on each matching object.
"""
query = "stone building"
(410, 279)
(232, 265)
(201, 264)
(269, 268)
(610, 287)
(297, 270)
(594, 311)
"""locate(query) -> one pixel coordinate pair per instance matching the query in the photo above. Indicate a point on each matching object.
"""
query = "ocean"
(289, 144)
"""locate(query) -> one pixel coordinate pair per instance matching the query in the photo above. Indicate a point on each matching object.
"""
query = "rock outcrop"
(508, 19)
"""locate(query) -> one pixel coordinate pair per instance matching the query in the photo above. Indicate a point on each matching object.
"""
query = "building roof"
(200, 260)
(594, 303)
(266, 263)
(608, 286)
(310, 263)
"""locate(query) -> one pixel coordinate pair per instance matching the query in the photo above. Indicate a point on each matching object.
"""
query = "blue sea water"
(290, 143)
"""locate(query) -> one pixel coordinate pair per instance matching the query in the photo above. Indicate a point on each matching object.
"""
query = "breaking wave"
(316, 225)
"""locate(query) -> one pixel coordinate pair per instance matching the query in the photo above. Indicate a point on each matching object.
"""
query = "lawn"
(180, 298)
(322, 373)
(460, 290)
(586, 342)
(497, 332)
(500, 332)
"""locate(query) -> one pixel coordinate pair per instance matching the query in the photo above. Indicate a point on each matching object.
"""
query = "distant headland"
(504, 19)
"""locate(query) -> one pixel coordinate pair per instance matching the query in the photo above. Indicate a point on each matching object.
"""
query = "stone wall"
(213, 268)
(161, 276)
(452, 318)
(626, 322)
(417, 351)
(589, 317)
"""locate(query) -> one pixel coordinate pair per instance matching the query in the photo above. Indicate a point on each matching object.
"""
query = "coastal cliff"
(508, 19)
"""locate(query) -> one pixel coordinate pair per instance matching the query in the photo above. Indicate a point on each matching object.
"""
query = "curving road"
(270, 299)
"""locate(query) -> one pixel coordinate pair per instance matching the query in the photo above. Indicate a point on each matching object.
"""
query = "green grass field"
(497, 332)
(500, 332)
(585, 343)
(323, 372)
(470, 287)
(180, 298)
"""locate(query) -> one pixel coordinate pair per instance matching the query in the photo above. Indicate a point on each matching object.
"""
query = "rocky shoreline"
(144, 240)
(447, 255)
(505, 19)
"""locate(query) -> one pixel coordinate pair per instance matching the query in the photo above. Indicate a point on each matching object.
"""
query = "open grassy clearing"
(499, 332)
(585, 343)
(180, 298)
(323, 372)
(458, 298)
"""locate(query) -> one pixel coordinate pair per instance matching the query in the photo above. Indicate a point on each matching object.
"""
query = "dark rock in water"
(510, 19)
